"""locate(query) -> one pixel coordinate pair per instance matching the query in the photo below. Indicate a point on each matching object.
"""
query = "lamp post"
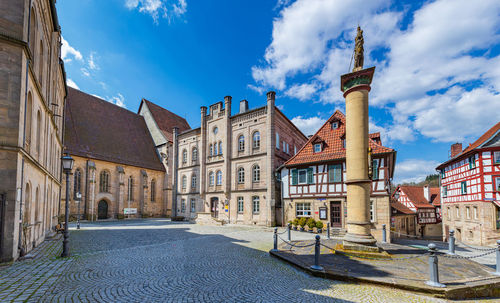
(67, 164)
(78, 200)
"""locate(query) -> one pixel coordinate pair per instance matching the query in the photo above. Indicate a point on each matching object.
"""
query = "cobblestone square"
(161, 261)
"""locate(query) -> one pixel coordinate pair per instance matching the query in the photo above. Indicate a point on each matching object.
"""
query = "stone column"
(143, 187)
(202, 156)
(175, 165)
(355, 87)
(270, 154)
(120, 191)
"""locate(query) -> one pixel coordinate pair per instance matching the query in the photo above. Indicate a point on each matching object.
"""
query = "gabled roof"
(402, 208)
(333, 148)
(477, 144)
(165, 119)
(416, 196)
(100, 130)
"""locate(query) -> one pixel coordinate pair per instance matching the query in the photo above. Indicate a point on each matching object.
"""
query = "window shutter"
(309, 175)
(295, 177)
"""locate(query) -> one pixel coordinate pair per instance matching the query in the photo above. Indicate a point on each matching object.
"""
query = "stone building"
(117, 165)
(470, 190)
(226, 168)
(32, 92)
(313, 181)
(403, 221)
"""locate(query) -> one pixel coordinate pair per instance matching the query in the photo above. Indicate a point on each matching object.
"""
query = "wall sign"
(323, 213)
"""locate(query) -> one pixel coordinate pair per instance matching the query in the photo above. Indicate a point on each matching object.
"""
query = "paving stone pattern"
(162, 261)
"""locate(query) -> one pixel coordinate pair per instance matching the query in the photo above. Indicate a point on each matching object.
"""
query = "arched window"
(184, 156)
(153, 190)
(130, 192)
(104, 182)
(256, 173)
(211, 150)
(77, 182)
(241, 175)
(215, 149)
(219, 177)
(194, 155)
(241, 143)
(256, 140)
(184, 182)
(29, 121)
(40, 63)
(38, 134)
(193, 182)
(211, 178)
(220, 148)
(37, 205)
(32, 37)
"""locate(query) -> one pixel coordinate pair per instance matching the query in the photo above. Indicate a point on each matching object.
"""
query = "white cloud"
(118, 100)
(71, 83)
(159, 8)
(91, 62)
(437, 74)
(67, 51)
(414, 170)
(85, 72)
(309, 126)
(281, 107)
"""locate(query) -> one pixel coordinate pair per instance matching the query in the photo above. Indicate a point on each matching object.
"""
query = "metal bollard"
(384, 234)
(289, 232)
(433, 268)
(497, 272)
(328, 229)
(316, 255)
(451, 243)
(275, 239)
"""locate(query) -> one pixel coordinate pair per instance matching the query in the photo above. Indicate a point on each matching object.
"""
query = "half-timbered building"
(313, 181)
(470, 190)
(424, 202)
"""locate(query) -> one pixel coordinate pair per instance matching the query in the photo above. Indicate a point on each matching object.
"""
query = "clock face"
(216, 130)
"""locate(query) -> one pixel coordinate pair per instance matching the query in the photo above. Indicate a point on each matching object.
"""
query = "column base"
(360, 243)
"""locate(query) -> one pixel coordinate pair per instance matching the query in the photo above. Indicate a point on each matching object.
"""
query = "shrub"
(302, 222)
(296, 221)
(178, 218)
(290, 222)
(120, 216)
(319, 224)
(311, 223)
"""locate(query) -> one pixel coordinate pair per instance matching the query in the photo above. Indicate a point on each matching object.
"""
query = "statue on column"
(358, 51)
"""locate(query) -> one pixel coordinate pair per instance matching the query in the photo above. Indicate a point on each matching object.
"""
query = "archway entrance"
(102, 210)
(214, 207)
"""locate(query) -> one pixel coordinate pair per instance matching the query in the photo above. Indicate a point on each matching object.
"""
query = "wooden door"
(102, 210)
(336, 214)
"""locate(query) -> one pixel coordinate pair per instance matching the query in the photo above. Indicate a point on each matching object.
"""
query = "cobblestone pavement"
(162, 261)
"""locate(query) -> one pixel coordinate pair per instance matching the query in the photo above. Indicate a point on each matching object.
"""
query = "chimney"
(227, 105)
(455, 149)
(243, 106)
(427, 194)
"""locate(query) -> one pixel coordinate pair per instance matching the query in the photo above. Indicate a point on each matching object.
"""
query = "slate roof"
(402, 208)
(332, 144)
(416, 196)
(100, 130)
(484, 138)
(166, 120)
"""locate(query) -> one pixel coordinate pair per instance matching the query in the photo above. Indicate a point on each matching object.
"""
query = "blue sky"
(437, 78)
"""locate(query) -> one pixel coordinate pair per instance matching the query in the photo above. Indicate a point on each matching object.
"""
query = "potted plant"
(311, 224)
(302, 223)
(319, 226)
(290, 224)
(295, 223)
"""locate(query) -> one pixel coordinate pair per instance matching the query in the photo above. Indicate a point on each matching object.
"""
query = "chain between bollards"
(316, 265)
(497, 272)
(433, 268)
(328, 229)
(384, 234)
(289, 232)
(451, 243)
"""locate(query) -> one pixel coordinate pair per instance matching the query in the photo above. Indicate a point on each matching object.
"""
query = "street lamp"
(67, 164)
(78, 200)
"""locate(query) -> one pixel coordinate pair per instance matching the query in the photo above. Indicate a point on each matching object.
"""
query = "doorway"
(214, 207)
(102, 210)
(336, 213)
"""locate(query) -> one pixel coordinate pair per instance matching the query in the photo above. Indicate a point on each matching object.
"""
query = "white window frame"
(194, 155)
(241, 143)
(194, 180)
(475, 212)
(255, 204)
(193, 205)
(220, 147)
(373, 211)
(277, 141)
(256, 140)
(183, 181)
(211, 178)
(317, 147)
(241, 205)
(335, 125)
(219, 177)
(241, 175)
(184, 156)
(303, 209)
(305, 176)
(183, 205)
(496, 157)
(256, 173)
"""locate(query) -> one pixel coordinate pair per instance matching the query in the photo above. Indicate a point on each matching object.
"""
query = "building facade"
(313, 181)
(424, 202)
(32, 93)
(226, 169)
(403, 221)
(117, 164)
(470, 190)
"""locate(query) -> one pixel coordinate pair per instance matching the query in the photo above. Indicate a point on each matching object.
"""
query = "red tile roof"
(332, 148)
(484, 138)
(98, 129)
(416, 196)
(166, 120)
(402, 208)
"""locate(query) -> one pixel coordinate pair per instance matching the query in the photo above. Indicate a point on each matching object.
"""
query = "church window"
(211, 150)
(241, 143)
(130, 191)
(220, 148)
(219, 177)
(256, 173)
(29, 113)
(77, 182)
(153, 190)
(215, 149)
(104, 182)
(256, 140)
(38, 134)
(241, 175)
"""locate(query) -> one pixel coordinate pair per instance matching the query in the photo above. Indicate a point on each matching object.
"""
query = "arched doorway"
(102, 210)
(214, 207)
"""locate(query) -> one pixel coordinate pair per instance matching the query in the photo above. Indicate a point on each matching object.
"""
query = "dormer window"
(335, 124)
(317, 147)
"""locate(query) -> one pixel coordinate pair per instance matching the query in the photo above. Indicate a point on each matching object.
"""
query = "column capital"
(358, 80)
